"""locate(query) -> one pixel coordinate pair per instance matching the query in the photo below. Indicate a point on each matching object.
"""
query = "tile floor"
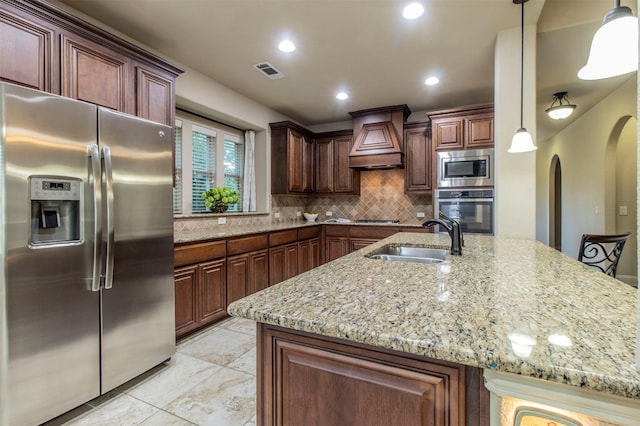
(210, 381)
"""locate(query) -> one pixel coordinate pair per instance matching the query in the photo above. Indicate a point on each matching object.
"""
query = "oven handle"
(464, 199)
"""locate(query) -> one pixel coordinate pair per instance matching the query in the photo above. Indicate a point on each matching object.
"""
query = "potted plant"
(220, 198)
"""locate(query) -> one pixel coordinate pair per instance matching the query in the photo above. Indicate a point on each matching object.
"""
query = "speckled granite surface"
(204, 234)
(513, 305)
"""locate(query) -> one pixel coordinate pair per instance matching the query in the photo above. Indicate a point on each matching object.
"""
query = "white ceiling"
(365, 47)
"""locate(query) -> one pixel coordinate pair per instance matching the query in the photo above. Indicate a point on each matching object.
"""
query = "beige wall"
(582, 148)
(626, 195)
(515, 185)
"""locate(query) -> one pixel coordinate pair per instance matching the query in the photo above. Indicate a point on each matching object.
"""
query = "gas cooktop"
(377, 221)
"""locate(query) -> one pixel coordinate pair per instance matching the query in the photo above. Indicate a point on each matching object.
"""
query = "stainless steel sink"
(396, 253)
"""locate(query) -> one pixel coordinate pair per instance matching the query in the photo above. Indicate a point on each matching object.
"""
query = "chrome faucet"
(453, 228)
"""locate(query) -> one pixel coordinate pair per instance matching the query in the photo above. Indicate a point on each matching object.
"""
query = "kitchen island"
(509, 306)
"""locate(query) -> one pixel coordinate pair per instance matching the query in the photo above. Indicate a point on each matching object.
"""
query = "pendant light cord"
(522, 67)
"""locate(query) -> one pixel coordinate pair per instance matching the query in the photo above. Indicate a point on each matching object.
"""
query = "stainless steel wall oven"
(473, 208)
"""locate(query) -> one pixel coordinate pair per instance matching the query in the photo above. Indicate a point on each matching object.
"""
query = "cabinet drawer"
(283, 237)
(336, 230)
(201, 252)
(246, 244)
(372, 232)
(306, 233)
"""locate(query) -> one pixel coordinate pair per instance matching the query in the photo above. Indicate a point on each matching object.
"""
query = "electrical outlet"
(276, 215)
(623, 211)
(298, 214)
(420, 214)
(222, 220)
(596, 210)
(328, 214)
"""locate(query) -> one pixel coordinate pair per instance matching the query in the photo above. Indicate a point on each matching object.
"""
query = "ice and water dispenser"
(55, 210)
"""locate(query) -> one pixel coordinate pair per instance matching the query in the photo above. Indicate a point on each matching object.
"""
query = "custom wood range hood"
(378, 137)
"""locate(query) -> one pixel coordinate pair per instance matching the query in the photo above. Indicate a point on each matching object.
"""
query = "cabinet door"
(447, 133)
(213, 279)
(306, 380)
(93, 73)
(417, 172)
(154, 96)
(290, 260)
(314, 250)
(357, 244)
(276, 265)
(258, 271)
(304, 256)
(479, 131)
(336, 247)
(237, 277)
(27, 53)
(346, 180)
(307, 164)
(324, 165)
(295, 143)
(186, 299)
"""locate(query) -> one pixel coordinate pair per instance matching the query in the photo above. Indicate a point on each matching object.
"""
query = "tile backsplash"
(381, 197)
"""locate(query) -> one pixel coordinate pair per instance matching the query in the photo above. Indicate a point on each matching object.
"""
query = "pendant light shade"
(522, 140)
(614, 49)
(560, 107)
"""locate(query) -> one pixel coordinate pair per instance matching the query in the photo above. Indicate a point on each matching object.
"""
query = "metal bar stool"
(602, 251)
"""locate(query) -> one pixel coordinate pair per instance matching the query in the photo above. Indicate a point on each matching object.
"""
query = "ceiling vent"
(269, 70)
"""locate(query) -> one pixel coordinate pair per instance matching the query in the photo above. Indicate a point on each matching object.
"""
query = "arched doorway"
(621, 193)
(555, 204)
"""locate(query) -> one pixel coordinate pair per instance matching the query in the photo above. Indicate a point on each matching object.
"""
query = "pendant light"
(614, 49)
(563, 109)
(522, 140)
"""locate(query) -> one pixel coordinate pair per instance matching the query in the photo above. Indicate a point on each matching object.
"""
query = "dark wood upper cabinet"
(155, 95)
(95, 74)
(333, 174)
(463, 128)
(418, 153)
(292, 159)
(47, 48)
(28, 51)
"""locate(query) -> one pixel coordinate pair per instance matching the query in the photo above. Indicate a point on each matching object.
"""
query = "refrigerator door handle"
(94, 155)
(108, 171)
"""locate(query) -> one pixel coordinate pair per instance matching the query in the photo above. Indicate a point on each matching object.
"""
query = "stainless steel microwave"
(471, 167)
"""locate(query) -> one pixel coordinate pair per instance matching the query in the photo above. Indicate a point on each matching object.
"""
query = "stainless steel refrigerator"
(86, 252)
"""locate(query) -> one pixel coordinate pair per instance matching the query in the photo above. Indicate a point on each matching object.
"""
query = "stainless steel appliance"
(470, 167)
(87, 252)
(472, 208)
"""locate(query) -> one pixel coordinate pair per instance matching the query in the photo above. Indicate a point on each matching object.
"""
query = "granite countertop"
(227, 231)
(512, 305)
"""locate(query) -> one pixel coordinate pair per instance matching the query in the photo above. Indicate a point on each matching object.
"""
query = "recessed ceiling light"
(342, 96)
(431, 81)
(413, 11)
(287, 46)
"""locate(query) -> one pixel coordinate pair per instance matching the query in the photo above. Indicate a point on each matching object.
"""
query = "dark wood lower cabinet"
(200, 295)
(305, 379)
(246, 274)
(336, 247)
(283, 262)
(308, 254)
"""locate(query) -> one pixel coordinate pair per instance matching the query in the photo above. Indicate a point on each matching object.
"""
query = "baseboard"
(629, 279)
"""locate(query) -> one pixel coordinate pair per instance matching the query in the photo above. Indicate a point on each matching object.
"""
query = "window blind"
(204, 167)
(234, 167)
(177, 189)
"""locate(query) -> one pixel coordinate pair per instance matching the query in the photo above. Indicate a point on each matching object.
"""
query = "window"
(177, 189)
(203, 165)
(233, 166)
(217, 156)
